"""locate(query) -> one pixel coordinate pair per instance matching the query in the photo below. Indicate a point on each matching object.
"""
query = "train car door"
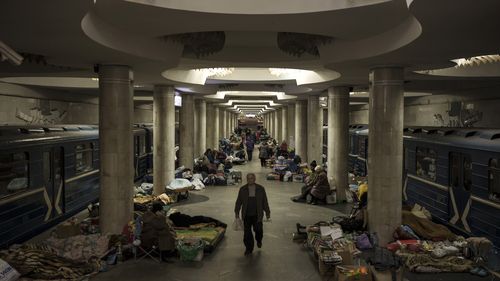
(460, 189)
(53, 179)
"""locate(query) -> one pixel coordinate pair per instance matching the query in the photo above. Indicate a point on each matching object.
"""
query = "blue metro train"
(48, 174)
(453, 172)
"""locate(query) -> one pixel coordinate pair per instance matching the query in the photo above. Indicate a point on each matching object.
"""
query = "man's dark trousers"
(252, 222)
(249, 153)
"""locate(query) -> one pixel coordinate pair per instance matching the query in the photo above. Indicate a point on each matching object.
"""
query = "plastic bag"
(363, 242)
(7, 272)
(238, 224)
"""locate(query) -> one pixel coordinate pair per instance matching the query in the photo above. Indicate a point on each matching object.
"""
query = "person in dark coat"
(156, 231)
(252, 203)
(321, 187)
(317, 187)
(250, 147)
(263, 154)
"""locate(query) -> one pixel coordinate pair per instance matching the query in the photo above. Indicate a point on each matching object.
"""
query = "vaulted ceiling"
(326, 42)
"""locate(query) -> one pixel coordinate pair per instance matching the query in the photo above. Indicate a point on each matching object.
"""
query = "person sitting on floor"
(306, 189)
(321, 188)
(157, 232)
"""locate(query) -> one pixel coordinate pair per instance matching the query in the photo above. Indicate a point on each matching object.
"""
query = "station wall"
(453, 109)
(36, 105)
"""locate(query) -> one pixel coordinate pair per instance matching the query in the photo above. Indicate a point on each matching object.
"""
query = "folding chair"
(140, 252)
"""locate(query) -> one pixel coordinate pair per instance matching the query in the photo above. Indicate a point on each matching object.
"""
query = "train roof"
(475, 138)
(12, 135)
(472, 138)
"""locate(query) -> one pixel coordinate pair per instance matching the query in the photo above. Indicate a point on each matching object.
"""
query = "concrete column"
(186, 128)
(116, 103)
(195, 129)
(221, 123)
(228, 123)
(277, 127)
(385, 151)
(314, 130)
(291, 125)
(301, 129)
(338, 139)
(284, 123)
(271, 124)
(201, 136)
(215, 127)
(280, 125)
(164, 137)
(210, 126)
(231, 123)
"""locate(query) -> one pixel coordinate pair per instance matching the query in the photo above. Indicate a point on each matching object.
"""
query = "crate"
(298, 178)
(236, 176)
(273, 176)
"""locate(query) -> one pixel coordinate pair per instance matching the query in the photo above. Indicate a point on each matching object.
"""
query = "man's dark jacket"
(260, 197)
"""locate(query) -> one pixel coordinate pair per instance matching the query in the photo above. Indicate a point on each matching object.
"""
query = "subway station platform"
(280, 259)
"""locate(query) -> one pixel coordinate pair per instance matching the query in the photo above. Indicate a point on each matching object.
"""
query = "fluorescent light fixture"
(216, 72)
(285, 72)
(478, 60)
(8, 54)
(178, 100)
(406, 94)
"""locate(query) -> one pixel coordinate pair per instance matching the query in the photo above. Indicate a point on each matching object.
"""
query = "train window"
(426, 163)
(84, 158)
(14, 173)
(142, 148)
(494, 180)
(405, 158)
(455, 169)
(351, 144)
(467, 173)
(47, 174)
(140, 145)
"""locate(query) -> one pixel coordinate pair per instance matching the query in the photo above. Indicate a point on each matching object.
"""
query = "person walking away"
(252, 203)
(263, 154)
(250, 147)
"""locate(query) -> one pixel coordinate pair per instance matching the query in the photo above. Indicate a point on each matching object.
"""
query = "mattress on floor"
(211, 235)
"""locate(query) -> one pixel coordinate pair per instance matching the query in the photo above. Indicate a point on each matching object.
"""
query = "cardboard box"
(63, 231)
(345, 273)
(347, 254)
(386, 275)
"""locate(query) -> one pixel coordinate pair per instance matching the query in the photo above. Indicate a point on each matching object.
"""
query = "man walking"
(250, 146)
(252, 203)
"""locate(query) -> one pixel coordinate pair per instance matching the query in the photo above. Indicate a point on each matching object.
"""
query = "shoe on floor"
(259, 245)
(247, 253)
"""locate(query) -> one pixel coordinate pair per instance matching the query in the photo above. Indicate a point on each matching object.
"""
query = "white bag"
(7, 272)
(238, 224)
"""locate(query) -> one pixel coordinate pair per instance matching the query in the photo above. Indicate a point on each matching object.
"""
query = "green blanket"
(209, 234)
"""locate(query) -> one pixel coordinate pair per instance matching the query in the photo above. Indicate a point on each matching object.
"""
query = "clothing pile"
(79, 247)
(427, 247)
(41, 262)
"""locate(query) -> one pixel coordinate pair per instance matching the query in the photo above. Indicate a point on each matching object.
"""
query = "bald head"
(250, 178)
